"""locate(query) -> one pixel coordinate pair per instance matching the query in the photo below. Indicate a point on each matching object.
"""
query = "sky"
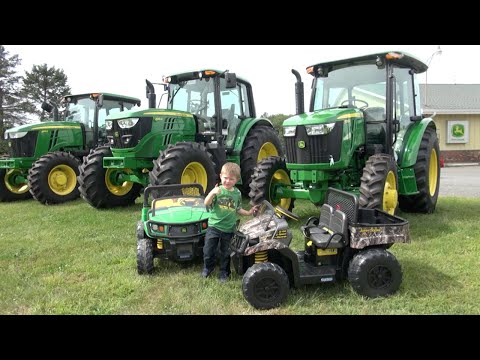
(122, 69)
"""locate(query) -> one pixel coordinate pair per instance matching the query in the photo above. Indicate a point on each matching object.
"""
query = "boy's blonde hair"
(231, 169)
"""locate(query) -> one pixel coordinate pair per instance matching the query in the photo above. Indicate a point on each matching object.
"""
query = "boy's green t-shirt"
(224, 210)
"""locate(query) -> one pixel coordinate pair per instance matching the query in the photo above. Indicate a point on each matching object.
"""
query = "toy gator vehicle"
(345, 242)
(174, 225)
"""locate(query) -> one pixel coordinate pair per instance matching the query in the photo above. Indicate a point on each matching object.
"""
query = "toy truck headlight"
(321, 129)
(108, 124)
(127, 123)
(17, 135)
(289, 131)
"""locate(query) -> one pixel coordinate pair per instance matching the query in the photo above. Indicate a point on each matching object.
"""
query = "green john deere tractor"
(209, 120)
(364, 134)
(44, 157)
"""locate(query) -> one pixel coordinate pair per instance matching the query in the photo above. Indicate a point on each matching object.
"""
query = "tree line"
(21, 96)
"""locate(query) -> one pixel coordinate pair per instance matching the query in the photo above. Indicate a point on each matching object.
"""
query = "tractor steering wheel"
(345, 102)
(198, 105)
(285, 212)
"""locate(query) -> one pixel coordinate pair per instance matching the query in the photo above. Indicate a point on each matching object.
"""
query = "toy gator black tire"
(184, 163)
(379, 184)
(10, 191)
(261, 142)
(375, 273)
(144, 256)
(266, 174)
(53, 178)
(95, 185)
(427, 174)
(265, 285)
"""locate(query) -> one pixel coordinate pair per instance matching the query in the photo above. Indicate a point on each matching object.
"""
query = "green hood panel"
(51, 125)
(323, 117)
(180, 215)
(148, 113)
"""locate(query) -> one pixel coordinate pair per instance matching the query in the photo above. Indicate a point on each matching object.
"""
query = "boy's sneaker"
(206, 273)
(223, 277)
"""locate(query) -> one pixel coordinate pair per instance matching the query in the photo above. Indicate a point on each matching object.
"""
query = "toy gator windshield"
(44, 157)
(364, 134)
(210, 119)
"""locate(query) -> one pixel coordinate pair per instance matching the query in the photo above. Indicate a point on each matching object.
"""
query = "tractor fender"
(265, 245)
(245, 126)
(412, 140)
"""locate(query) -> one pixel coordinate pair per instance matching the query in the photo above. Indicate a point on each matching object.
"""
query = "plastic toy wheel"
(144, 256)
(265, 285)
(375, 273)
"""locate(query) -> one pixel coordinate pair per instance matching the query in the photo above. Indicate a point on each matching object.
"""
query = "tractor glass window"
(404, 97)
(232, 108)
(193, 96)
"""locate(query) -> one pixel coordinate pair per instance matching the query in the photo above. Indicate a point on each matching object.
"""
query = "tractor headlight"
(17, 135)
(127, 123)
(321, 129)
(289, 131)
(108, 124)
(5, 136)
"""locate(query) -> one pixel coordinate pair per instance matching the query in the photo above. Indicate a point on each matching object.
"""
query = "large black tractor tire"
(379, 184)
(53, 178)
(261, 142)
(96, 187)
(265, 285)
(184, 163)
(375, 273)
(268, 172)
(9, 191)
(427, 174)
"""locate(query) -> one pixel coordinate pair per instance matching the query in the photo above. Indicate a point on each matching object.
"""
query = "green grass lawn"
(74, 259)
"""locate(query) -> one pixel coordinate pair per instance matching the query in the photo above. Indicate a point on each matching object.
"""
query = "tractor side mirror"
(230, 80)
(100, 100)
(47, 107)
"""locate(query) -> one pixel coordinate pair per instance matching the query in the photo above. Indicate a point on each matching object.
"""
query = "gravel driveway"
(460, 181)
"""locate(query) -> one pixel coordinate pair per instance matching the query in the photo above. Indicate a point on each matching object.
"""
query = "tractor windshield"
(193, 96)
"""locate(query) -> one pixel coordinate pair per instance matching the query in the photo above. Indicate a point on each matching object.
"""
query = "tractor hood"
(43, 126)
(323, 116)
(179, 215)
(148, 113)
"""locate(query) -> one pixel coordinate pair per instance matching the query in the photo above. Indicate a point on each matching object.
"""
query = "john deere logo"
(184, 230)
(458, 130)
(116, 134)
(301, 144)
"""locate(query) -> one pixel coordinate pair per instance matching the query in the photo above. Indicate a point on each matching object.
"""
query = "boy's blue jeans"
(212, 238)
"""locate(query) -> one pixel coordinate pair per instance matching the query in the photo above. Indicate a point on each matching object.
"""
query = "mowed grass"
(74, 259)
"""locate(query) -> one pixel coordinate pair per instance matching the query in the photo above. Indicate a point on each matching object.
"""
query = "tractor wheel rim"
(267, 149)
(281, 177)
(115, 187)
(9, 181)
(62, 180)
(390, 194)
(195, 172)
(433, 172)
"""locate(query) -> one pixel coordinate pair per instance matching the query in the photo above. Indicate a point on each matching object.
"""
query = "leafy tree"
(13, 107)
(44, 83)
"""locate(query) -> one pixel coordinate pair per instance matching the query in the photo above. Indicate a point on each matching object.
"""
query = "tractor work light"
(321, 129)
(289, 131)
(17, 135)
(127, 123)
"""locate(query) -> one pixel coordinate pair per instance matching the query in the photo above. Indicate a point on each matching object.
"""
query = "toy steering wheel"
(354, 102)
(289, 214)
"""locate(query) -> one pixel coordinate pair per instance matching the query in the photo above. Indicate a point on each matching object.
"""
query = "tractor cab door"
(234, 108)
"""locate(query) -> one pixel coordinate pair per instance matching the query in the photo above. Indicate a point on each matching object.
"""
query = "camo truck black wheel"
(261, 142)
(99, 186)
(11, 190)
(53, 178)
(375, 273)
(184, 163)
(427, 174)
(268, 173)
(265, 285)
(379, 184)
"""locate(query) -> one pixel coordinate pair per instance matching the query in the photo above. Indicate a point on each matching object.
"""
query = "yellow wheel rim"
(117, 189)
(433, 172)
(11, 186)
(62, 180)
(390, 194)
(281, 177)
(195, 172)
(267, 149)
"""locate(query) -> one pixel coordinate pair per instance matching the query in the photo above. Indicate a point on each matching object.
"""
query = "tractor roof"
(403, 60)
(191, 75)
(106, 96)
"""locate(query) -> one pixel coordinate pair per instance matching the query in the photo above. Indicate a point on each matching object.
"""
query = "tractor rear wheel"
(98, 186)
(268, 173)
(427, 174)
(261, 142)
(379, 184)
(265, 285)
(375, 273)
(9, 189)
(53, 178)
(184, 163)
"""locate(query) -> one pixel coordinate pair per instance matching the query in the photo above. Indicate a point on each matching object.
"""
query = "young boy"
(226, 203)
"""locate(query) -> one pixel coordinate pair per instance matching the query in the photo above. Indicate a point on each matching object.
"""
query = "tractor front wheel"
(10, 190)
(53, 178)
(265, 285)
(98, 186)
(379, 184)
